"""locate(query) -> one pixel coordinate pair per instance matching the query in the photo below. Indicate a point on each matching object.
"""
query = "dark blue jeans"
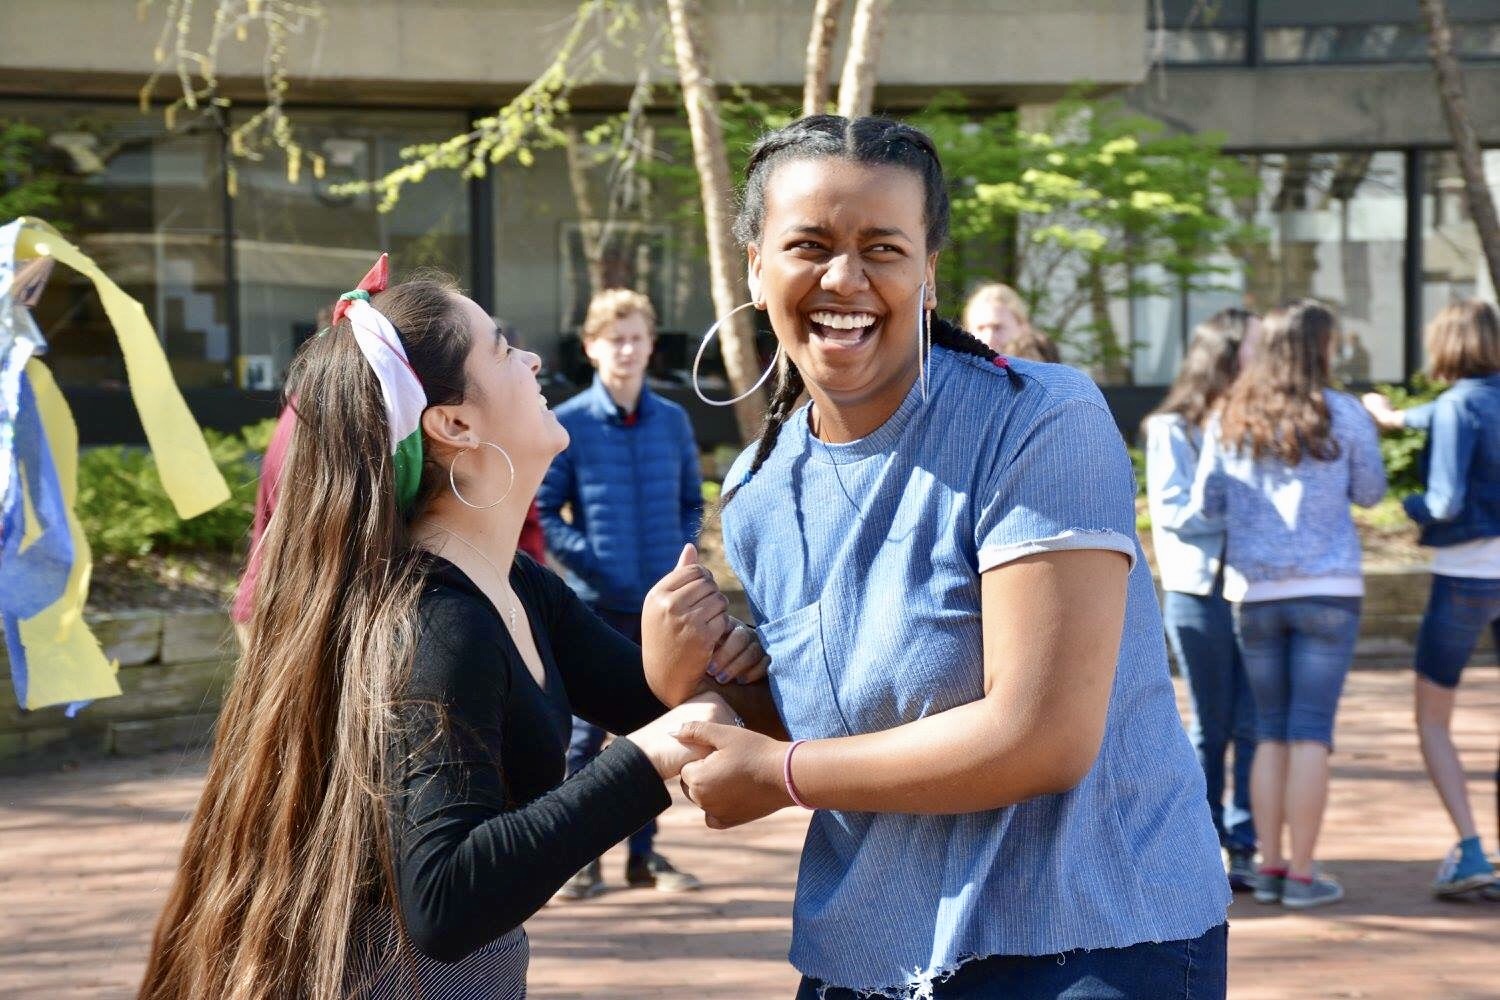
(1201, 633)
(1459, 609)
(1297, 655)
(1195, 969)
(588, 739)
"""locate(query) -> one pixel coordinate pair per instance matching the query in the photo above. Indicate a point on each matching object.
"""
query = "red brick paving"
(86, 854)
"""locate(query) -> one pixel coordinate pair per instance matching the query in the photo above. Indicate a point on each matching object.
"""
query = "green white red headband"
(400, 389)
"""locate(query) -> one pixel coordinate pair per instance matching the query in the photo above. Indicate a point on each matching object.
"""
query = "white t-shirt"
(1477, 560)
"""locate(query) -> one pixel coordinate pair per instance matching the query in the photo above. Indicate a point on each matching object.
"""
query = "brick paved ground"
(86, 853)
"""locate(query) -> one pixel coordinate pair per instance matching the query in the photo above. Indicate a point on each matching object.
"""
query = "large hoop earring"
(452, 485)
(703, 346)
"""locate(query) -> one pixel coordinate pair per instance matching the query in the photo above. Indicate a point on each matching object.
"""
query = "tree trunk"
(857, 86)
(819, 52)
(590, 231)
(737, 335)
(1465, 142)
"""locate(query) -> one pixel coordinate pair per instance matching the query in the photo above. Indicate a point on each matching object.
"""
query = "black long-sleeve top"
(485, 829)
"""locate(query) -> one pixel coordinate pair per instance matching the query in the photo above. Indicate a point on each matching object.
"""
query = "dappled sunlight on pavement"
(86, 856)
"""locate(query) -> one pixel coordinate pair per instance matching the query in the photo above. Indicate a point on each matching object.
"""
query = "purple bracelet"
(786, 772)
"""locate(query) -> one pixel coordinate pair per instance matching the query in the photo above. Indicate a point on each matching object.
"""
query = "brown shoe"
(653, 870)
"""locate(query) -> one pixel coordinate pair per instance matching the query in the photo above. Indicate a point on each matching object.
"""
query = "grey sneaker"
(587, 884)
(1240, 866)
(655, 871)
(1321, 891)
(1268, 885)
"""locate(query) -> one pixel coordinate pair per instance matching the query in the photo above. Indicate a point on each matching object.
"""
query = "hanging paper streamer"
(62, 661)
(45, 561)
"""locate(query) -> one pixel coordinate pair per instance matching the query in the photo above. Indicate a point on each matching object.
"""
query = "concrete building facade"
(1332, 103)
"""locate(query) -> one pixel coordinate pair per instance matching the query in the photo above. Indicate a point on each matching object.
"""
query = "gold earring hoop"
(453, 485)
(703, 346)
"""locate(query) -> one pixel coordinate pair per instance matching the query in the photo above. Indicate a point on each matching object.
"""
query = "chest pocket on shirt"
(800, 683)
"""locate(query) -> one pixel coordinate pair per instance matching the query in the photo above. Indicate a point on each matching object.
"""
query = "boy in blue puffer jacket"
(631, 480)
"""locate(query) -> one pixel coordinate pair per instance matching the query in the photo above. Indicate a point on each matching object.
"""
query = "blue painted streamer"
(34, 578)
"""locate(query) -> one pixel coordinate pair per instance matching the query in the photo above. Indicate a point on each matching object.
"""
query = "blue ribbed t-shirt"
(862, 565)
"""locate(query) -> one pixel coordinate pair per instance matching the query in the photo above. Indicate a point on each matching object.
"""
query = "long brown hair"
(1209, 366)
(290, 836)
(1276, 407)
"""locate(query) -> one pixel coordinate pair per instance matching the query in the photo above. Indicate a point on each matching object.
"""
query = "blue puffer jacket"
(1460, 464)
(635, 491)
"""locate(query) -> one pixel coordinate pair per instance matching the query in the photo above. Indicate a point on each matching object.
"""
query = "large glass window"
(148, 207)
(1334, 228)
(1453, 263)
(1208, 32)
(575, 222)
(298, 246)
(1200, 31)
(1342, 31)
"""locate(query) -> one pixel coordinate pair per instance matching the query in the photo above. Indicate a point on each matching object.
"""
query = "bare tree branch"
(825, 28)
(1465, 141)
(857, 86)
(737, 335)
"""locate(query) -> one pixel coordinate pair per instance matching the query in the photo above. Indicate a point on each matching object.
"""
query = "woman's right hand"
(658, 740)
(1386, 416)
(683, 622)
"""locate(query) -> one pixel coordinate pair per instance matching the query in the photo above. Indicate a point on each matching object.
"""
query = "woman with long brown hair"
(384, 806)
(1280, 466)
(1198, 620)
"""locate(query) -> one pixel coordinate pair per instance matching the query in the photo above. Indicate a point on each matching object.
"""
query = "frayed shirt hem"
(1075, 538)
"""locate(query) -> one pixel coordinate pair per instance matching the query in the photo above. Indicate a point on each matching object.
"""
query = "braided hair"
(868, 140)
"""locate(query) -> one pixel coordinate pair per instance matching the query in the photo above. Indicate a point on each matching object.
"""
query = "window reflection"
(148, 207)
(1334, 229)
(1201, 31)
(298, 246)
(1453, 263)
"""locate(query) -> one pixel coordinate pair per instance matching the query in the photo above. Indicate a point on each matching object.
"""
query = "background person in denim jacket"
(1280, 466)
(630, 478)
(1460, 517)
(1200, 625)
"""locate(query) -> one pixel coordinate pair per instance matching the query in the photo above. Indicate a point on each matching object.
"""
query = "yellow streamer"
(63, 659)
(187, 470)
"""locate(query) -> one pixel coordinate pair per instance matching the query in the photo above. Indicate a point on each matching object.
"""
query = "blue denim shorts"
(1195, 969)
(1297, 654)
(1458, 610)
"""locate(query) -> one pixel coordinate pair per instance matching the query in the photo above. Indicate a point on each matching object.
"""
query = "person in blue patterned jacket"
(631, 482)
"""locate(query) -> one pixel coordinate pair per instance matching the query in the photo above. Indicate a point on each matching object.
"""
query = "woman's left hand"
(741, 778)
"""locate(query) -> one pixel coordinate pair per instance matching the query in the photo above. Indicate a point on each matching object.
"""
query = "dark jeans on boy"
(588, 739)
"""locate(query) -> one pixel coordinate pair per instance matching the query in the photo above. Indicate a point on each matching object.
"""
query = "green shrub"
(1400, 449)
(124, 510)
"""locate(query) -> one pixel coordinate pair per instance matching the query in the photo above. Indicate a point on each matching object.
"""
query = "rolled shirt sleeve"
(1068, 484)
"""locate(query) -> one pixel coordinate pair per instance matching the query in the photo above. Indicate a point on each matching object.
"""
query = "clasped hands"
(733, 774)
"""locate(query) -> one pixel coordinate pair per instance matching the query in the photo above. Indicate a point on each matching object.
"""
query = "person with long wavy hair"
(385, 804)
(1280, 466)
(1199, 622)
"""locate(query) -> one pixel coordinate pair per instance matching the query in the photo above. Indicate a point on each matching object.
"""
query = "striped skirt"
(385, 966)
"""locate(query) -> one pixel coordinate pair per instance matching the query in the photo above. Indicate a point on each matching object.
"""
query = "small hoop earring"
(452, 485)
(703, 346)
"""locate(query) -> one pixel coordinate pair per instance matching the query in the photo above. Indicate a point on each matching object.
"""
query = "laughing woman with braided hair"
(966, 649)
